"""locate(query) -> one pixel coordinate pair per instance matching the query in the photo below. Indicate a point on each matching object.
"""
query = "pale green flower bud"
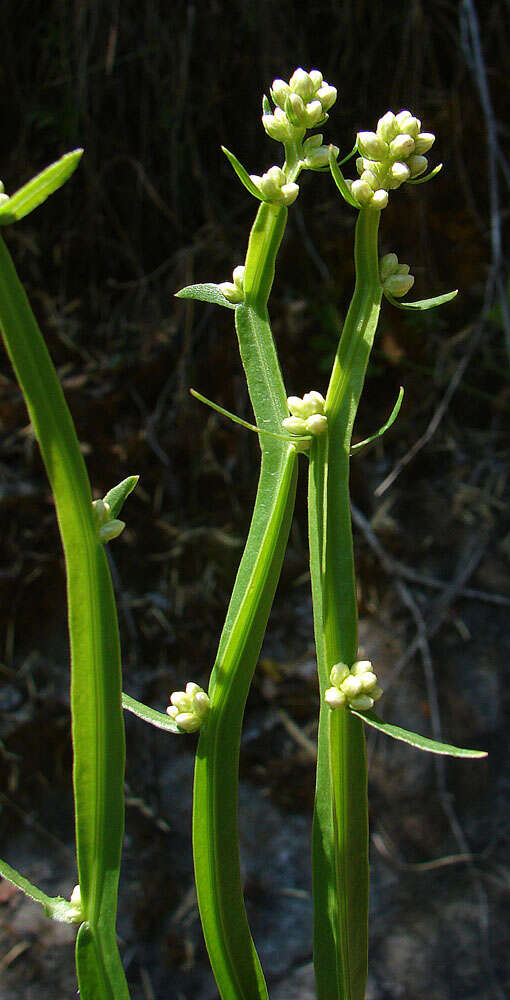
(231, 292)
(277, 127)
(380, 199)
(280, 92)
(316, 424)
(402, 118)
(3, 198)
(369, 178)
(192, 688)
(362, 702)
(327, 96)
(368, 682)
(371, 146)
(423, 142)
(289, 193)
(316, 78)
(351, 686)
(361, 667)
(189, 708)
(387, 127)
(302, 84)
(388, 265)
(76, 914)
(295, 109)
(399, 284)
(335, 698)
(298, 407)
(399, 172)
(188, 722)
(338, 673)
(272, 181)
(102, 511)
(201, 704)
(313, 142)
(362, 192)
(181, 701)
(376, 692)
(238, 276)
(417, 165)
(315, 400)
(401, 147)
(410, 125)
(112, 529)
(295, 426)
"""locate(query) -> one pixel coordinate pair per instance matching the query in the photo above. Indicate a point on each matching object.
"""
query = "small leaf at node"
(243, 174)
(415, 739)
(428, 177)
(422, 304)
(207, 292)
(32, 194)
(382, 430)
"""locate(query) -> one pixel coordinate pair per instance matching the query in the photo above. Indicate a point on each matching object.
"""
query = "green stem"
(340, 832)
(215, 830)
(97, 724)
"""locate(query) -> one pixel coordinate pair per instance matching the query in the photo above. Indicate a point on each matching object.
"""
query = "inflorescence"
(356, 687)
(189, 708)
(391, 155)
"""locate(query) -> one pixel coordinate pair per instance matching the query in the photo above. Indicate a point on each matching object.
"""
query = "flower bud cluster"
(189, 708)
(391, 155)
(301, 103)
(395, 277)
(356, 687)
(308, 417)
(275, 188)
(108, 527)
(234, 290)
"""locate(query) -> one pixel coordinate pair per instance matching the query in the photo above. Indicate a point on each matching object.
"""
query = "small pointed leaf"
(117, 496)
(207, 292)
(32, 194)
(422, 304)
(238, 420)
(158, 719)
(243, 174)
(266, 107)
(339, 179)
(415, 739)
(55, 907)
(427, 177)
(382, 430)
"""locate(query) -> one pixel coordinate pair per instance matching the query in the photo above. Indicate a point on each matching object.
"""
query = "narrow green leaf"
(243, 423)
(117, 496)
(205, 293)
(349, 155)
(339, 179)
(266, 107)
(32, 194)
(158, 719)
(415, 739)
(243, 174)
(55, 907)
(422, 304)
(355, 448)
(427, 177)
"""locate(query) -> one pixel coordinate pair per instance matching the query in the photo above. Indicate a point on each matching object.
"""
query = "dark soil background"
(151, 91)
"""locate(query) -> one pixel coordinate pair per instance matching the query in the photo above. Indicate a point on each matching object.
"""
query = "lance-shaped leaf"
(117, 496)
(422, 304)
(339, 179)
(243, 174)
(415, 739)
(427, 177)
(158, 719)
(32, 194)
(55, 907)
(207, 292)
(244, 423)
(382, 430)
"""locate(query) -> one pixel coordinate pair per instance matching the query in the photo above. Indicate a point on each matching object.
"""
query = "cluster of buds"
(356, 687)
(308, 417)
(234, 290)
(395, 277)
(189, 708)
(301, 103)
(391, 155)
(274, 187)
(108, 527)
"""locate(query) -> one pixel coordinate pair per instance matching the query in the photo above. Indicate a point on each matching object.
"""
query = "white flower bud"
(380, 199)
(280, 92)
(368, 682)
(369, 178)
(316, 78)
(295, 108)
(335, 698)
(298, 407)
(399, 172)
(362, 192)
(316, 424)
(201, 704)
(361, 667)
(294, 425)
(276, 128)
(231, 292)
(112, 529)
(302, 84)
(362, 702)
(188, 722)
(315, 400)
(314, 113)
(192, 688)
(388, 265)
(399, 284)
(411, 125)
(401, 147)
(76, 914)
(327, 96)
(181, 701)
(338, 673)
(371, 146)
(376, 692)
(387, 127)
(417, 165)
(238, 276)
(289, 193)
(3, 198)
(402, 118)
(423, 142)
(351, 686)
(102, 512)
(189, 708)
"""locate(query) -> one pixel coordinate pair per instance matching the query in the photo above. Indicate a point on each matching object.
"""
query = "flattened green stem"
(215, 831)
(97, 725)
(340, 832)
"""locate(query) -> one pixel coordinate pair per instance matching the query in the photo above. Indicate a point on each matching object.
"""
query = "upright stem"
(340, 833)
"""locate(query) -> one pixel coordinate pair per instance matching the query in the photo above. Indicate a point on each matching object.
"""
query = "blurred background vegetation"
(151, 91)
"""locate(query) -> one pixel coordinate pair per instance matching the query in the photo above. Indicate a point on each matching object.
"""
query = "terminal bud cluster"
(189, 708)
(391, 155)
(301, 103)
(275, 188)
(356, 687)
(308, 417)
